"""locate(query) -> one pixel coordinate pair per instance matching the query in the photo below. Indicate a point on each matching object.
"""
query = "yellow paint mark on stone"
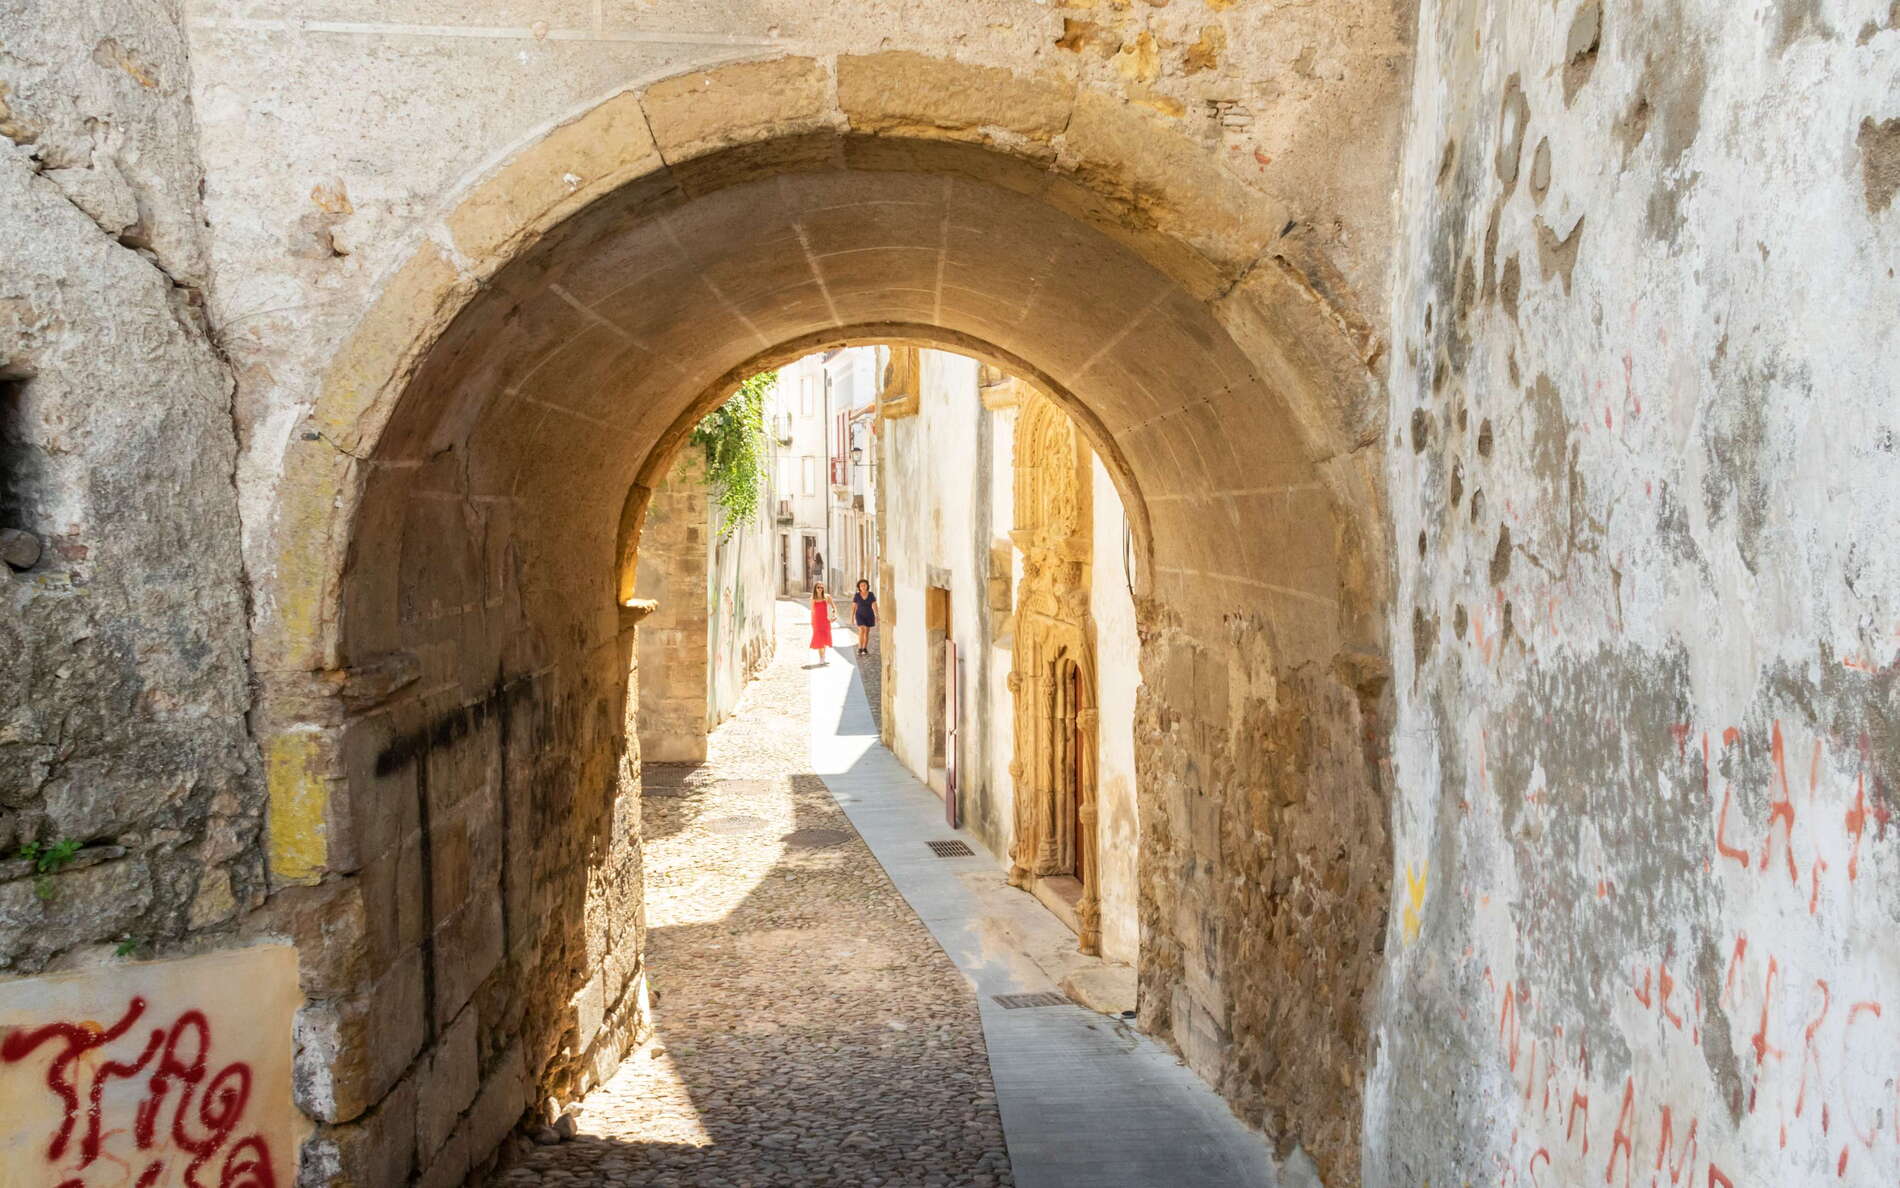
(299, 849)
(1415, 898)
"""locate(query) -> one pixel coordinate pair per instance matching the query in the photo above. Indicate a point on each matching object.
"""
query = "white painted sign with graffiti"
(162, 1074)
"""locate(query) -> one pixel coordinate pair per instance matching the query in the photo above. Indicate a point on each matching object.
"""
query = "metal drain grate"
(1012, 1002)
(951, 849)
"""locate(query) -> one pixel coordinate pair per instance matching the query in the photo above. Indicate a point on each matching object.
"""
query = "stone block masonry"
(674, 665)
(1513, 755)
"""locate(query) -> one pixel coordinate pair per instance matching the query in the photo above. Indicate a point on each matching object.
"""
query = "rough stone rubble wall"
(1644, 486)
(123, 690)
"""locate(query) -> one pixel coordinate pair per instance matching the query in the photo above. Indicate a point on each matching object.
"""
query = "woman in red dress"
(821, 623)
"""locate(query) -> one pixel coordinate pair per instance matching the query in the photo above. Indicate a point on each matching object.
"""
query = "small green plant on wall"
(733, 436)
(47, 860)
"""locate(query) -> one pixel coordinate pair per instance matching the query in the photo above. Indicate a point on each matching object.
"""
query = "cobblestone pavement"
(808, 1029)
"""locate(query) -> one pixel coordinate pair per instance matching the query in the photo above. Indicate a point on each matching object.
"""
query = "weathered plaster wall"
(940, 520)
(675, 661)
(741, 593)
(123, 689)
(1643, 479)
(1117, 682)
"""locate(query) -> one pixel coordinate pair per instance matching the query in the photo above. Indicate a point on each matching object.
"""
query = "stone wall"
(461, 330)
(1643, 472)
(675, 666)
(123, 689)
(742, 597)
(1265, 866)
(475, 949)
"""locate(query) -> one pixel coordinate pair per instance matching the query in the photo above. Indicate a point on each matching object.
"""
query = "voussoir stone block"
(713, 109)
(561, 172)
(917, 94)
(1114, 152)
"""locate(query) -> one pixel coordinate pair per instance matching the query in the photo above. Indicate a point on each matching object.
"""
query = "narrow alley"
(809, 1027)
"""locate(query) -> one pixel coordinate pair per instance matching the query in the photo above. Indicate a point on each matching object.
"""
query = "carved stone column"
(1054, 672)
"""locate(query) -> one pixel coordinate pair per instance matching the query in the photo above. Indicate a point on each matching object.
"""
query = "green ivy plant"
(733, 437)
(47, 859)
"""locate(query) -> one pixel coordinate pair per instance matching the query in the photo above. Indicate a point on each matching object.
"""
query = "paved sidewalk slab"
(1087, 1101)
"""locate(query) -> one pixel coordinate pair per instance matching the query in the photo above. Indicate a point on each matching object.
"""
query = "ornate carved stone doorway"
(1053, 674)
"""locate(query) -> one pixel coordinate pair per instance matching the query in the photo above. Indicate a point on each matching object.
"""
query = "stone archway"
(444, 641)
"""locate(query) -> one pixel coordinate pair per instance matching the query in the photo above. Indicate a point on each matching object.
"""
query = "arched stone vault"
(444, 666)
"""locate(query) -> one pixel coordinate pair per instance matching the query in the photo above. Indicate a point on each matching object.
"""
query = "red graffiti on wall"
(1778, 839)
(1813, 1062)
(187, 1113)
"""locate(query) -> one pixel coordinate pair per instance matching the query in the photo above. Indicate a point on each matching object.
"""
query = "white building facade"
(821, 418)
(956, 551)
